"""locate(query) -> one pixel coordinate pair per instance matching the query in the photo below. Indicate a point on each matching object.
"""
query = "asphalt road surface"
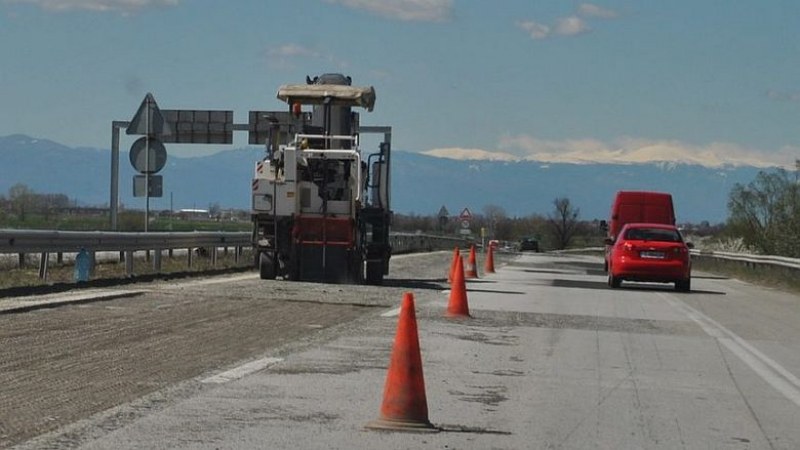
(551, 358)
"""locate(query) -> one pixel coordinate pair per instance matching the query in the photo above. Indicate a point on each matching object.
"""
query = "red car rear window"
(652, 234)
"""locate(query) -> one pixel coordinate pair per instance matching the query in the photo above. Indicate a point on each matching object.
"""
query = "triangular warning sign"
(465, 214)
(148, 120)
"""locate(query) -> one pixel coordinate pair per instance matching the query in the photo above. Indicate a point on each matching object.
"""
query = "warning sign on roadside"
(465, 214)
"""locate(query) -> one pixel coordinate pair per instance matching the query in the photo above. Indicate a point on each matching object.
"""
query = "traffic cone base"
(404, 406)
(402, 425)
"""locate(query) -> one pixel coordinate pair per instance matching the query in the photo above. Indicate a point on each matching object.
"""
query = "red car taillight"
(628, 249)
(680, 252)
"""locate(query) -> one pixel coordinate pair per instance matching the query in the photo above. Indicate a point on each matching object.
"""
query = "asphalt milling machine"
(320, 209)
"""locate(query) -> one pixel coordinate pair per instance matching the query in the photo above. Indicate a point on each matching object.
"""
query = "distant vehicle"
(637, 207)
(650, 252)
(528, 245)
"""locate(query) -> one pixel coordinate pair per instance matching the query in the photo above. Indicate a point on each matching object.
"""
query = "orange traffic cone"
(404, 404)
(456, 255)
(489, 266)
(457, 306)
(472, 267)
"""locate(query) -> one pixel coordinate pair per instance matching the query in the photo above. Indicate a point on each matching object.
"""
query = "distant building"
(193, 214)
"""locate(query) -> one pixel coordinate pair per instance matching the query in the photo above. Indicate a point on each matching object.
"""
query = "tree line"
(557, 230)
(765, 213)
(22, 201)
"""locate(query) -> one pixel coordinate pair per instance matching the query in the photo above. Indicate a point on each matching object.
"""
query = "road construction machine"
(320, 207)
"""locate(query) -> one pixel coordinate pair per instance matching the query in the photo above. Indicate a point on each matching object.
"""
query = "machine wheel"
(374, 273)
(266, 266)
(683, 285)
(613, 281)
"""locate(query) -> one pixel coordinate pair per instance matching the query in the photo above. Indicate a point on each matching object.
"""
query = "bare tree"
(21, 197)
(563, 222)
(496, 217)
(766, 213)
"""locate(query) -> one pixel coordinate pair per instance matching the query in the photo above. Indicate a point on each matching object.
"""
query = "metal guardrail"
(747, 259)
(40, 241)
(750, 259)
(45, 242)
(410, 242)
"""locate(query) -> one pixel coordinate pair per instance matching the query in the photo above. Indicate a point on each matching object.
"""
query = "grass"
(785, 279)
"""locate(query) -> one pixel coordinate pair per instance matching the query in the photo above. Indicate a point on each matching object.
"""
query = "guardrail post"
(21, 263)
(129, 263)
(92, 262)
(43, 260)
(170, 253)
(214, 256)
(157, 260)
(237, 253)
(189, 258)
(60, 258)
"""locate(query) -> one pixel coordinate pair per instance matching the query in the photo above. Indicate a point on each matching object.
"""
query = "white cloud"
(783, 96)
(121, 6)
(407, 10)
(293, 50)
(571, 26)
(284, 56)
(470, 153)
(625, 150)
(534, 29)
(590, 10)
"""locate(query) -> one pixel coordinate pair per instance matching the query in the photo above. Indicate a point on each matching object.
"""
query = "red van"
(638, 207)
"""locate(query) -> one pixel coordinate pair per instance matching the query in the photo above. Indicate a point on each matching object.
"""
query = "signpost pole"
(147, 167)
(113, 203)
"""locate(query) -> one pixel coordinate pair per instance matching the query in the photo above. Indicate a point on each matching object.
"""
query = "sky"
(711, 82)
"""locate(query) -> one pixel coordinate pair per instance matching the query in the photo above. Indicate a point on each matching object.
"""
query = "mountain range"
(421, 184)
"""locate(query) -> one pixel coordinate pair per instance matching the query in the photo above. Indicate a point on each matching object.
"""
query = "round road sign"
(465, 224)
(145, 163)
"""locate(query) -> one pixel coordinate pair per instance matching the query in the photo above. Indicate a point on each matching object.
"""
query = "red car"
(650, 252)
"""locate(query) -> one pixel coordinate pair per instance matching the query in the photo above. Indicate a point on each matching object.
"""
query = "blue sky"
(706, 81)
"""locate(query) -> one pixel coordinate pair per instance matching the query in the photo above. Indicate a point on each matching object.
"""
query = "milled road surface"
(62, 364)
(551, 357)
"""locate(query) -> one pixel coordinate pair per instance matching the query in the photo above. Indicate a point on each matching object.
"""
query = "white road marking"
(768, 369)
(211, 281)
(242, 371)
(391, 312)
(14, 303)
